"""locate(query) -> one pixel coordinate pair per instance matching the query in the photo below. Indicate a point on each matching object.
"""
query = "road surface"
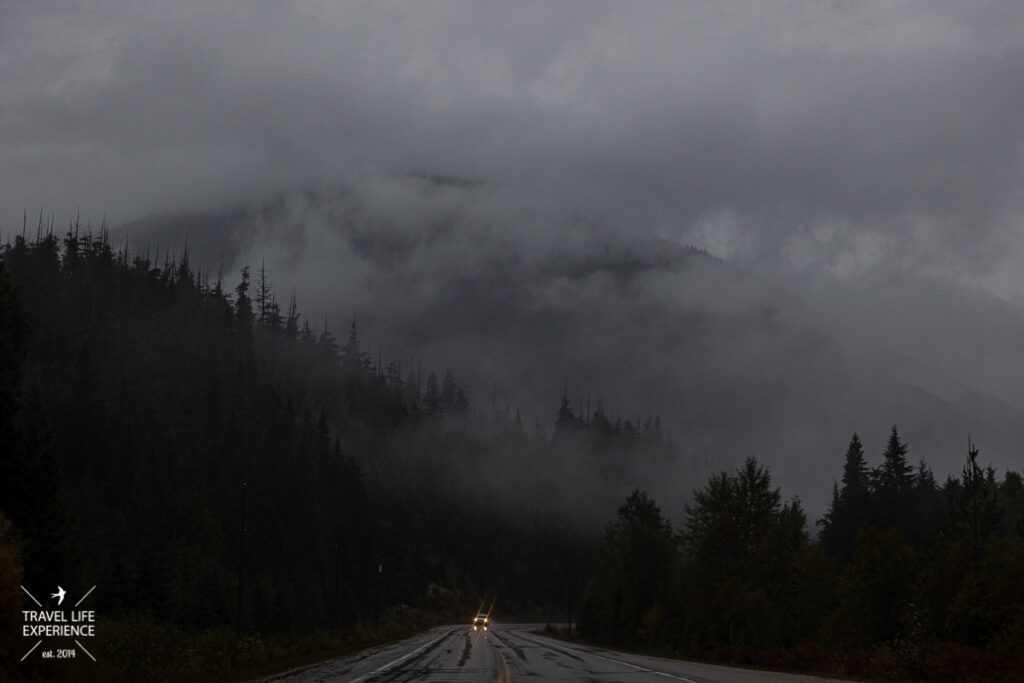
(514, 652)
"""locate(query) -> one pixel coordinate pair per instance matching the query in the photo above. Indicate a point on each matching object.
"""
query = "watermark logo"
(45, 625)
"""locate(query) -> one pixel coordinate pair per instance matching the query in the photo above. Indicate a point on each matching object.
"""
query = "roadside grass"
(940, 662)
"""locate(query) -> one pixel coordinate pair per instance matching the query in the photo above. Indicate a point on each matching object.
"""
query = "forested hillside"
(737, 360)
(228, 473)
(208, 459)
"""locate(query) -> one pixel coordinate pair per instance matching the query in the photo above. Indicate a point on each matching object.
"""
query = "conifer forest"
(565, 341)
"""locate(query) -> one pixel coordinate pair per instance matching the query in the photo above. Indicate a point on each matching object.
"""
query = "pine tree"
(13, 331)
(393, 375)
(432, 398)
(266, 302)
(628, 595)
(243, 305)
(742, 543)
(855, 470)
(856, 490)
(328, 347)
(262, 293)
(306, 336)
(893, 484)
(979, 508)
(291, 326)
(896, 474)
(462, 400)
(566, 417)
(849, 507)
(351, 358)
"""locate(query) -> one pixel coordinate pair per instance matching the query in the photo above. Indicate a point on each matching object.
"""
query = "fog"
(512, 191)
(524, 303)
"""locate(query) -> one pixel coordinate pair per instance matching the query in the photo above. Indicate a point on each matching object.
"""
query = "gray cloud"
(521, 303)
(820, 128)
(877, 144)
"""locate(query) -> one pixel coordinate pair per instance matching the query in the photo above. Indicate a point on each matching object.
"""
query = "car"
(480, 621)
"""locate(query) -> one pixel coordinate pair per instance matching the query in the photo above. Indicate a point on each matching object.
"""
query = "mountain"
(530, 304)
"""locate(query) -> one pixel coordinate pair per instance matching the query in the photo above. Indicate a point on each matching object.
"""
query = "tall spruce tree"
(351, 357)
(849, 507)
(896, 474)
(432, 397)
(893, 481)
(243, 304)
(979, 511)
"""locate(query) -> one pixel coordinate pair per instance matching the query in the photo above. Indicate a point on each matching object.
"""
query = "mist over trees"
(700, 322)
(216, 460)
(520, 300)
(213, 459)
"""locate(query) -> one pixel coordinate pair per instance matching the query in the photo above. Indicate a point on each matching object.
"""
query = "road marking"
(402, 658)
(507, 678)
(607, 659)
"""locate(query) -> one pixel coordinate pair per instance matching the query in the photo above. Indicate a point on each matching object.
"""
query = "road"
(514, 652)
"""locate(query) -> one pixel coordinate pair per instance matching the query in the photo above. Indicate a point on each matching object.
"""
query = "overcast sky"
(843, 136)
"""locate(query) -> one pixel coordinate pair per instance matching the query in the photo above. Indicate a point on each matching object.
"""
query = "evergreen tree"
(432, 403)
(351, 357)
(328, 347)
(306, 335)
(129, 343)
(856, 474)
(874, 590)
(462, 400)
(849, 508)
(13, 331)
(566, 417)
(266, 305)
(243, 305)
(896, 474)
(893, 481)
(627, 599)
(393, 375)
(291, 326)
(978, 506)
(741, 544)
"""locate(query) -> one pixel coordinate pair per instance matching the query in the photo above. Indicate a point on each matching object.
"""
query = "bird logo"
(59, 595)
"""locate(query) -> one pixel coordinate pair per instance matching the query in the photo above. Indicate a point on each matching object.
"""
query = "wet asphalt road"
(514, 652)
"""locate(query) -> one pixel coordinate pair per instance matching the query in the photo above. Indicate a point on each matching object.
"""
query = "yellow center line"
(503, 673)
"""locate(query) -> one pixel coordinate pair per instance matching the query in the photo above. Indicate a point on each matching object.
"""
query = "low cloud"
(765, 119)
(522, 304)
(509, 189)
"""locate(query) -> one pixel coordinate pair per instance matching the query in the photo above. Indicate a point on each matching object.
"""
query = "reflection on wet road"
(514, 652)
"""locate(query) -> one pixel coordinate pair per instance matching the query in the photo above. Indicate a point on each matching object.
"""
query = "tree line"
(211, 459)
(905, 577)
